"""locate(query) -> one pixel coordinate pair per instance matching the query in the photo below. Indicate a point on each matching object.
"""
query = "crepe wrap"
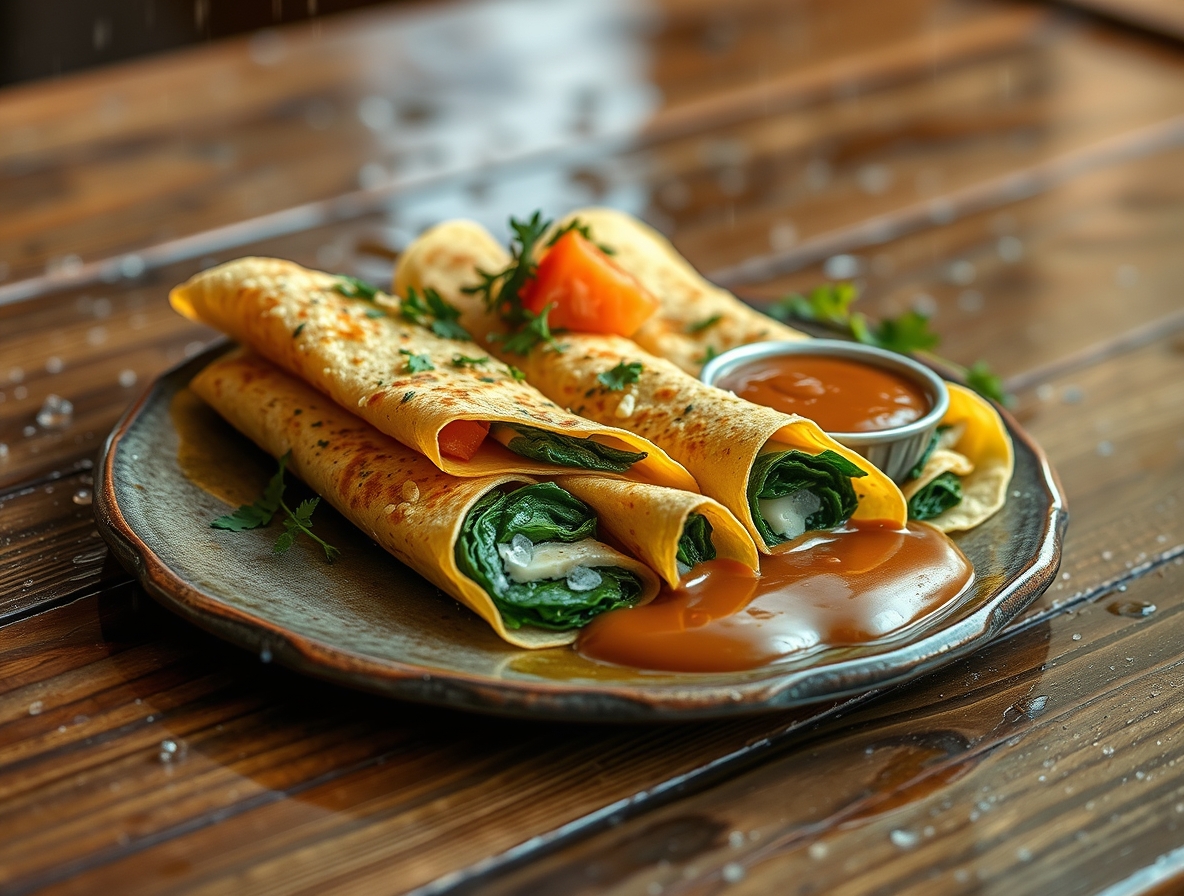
(714, 434)
(359, 355)
(688, 300)
(648, 521)
(977, 449)
(393, 494)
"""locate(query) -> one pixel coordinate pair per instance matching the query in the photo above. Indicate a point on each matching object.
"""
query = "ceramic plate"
(172, 465)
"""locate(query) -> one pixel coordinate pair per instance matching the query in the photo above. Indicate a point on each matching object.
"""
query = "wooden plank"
(1006, 771)
(256, 137)
(92, 689)
(363, 825)
(1156, 15)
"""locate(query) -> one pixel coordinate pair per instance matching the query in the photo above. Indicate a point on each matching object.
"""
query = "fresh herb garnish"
(500, 290)
(407, 396)
(709, 353)
(534, 331)
(583, 230)
(298, 522)
(375, 313)
(353, 288)
(261, 512)
(299, 329)
(465, 361)
(987, 384)
(430, 310)
(416, 363)
(830, 305)
(620, 376)
(700, 325)
(515, 373)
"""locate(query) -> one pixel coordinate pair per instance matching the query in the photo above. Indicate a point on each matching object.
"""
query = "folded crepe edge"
(439, 565)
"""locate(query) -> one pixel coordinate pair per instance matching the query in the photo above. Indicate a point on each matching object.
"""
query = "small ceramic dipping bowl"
(894, 450)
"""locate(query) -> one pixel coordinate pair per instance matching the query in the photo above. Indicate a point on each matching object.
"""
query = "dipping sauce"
(839, 395)
(831, 589)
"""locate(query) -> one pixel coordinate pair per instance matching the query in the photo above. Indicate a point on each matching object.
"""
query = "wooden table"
(1015, 170)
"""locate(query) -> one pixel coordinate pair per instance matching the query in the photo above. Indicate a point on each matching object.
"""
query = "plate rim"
(583, 701)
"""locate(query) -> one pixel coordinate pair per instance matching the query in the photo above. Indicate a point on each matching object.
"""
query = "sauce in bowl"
(831, 589)
(839, 395)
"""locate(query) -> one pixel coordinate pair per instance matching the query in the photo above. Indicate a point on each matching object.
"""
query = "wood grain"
(1046, 763)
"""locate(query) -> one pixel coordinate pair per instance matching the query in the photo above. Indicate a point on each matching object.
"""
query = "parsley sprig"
(583, 230)
(353, 288)
(261, 512)
(429, 309)
(624, 374)
(534, 330)
(416, 363)
(501, 290)
(830, 306)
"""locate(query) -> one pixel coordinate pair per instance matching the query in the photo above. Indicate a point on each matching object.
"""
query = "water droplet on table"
(733, 872)
(173, 750)
(1132, 609)
(82, 497)
(904, 839)
(127, 378)
(35, 707)
(56, 412)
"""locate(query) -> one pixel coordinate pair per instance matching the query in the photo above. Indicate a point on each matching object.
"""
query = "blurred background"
(42, 38)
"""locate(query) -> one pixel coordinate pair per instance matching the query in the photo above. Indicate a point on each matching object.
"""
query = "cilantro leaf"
(501, 290)
(620, 376)
(432, 311)
(987, 384)
(583, 230)
(904, 334)
(416, 363)
(534, 331)
(700, 325)
(709, 353)
(353, 288)
(829, 303)
(514, 372)
(463, 361)
(253, 516)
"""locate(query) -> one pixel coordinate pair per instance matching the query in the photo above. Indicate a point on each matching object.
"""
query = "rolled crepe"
(973, 446)
(403, 378)
(696, 319)
(426, 518)
(976, 448)
(671, 530)
(725, 442)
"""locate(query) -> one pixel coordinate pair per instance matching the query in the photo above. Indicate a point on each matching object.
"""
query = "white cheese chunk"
(555, 560)
(787, 516)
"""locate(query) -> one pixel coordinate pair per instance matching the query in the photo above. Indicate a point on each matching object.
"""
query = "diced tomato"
(462, 438)
(591, 293)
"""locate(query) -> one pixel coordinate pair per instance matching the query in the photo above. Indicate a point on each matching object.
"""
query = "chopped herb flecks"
(353, 288)
(407, 396)
(299, 329)
(624, 374)
(416, 363)
(465, 361)
(700, 325)
(430, 310)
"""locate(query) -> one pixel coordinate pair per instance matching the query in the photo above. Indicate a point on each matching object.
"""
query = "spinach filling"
(542, 513)
(826, 476)
(937, 497)
(695, 546)
(941, 494)
(568, 451)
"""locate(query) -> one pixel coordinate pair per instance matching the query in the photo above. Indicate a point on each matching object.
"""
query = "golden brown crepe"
(680, 331)
(647, 521)
(714, 434)
(688, 298)
(977, 449)
(361, 357)
(392, 493)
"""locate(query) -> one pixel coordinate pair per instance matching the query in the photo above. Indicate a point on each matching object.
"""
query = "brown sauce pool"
(831, 589)
(838, 395)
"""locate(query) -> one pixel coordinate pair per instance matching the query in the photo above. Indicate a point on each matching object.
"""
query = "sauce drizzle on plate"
(830, 589)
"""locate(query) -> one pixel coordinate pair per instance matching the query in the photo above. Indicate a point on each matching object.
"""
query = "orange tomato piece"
(591, 293)
(462, 438)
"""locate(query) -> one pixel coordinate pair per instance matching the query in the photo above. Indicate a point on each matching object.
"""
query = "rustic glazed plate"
(172, 465)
